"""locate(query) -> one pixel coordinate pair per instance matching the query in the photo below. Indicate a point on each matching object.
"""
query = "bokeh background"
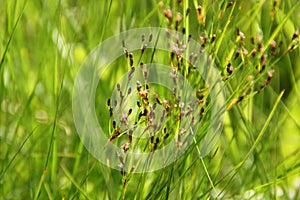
(44, 43)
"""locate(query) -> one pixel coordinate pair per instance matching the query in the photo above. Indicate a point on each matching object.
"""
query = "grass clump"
(255, 47)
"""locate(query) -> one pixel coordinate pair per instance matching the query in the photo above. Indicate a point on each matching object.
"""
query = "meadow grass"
(254, 45)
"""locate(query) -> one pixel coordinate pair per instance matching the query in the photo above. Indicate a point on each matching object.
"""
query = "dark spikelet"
(252, 40)
(157, 99)
(167, 34)
(202, 110)
(157, 140)
(263, 59)
(143, 48)
(188, 11)
(115, 134)
(123, 173)
(267, 81)
(120, 158)
(191, 57)
(195, 58)
(280, 44)
(131, 59)
(292, 47)
(145, 75)
(140, 115)
(229, 68)
(273, 45)
(229, 4)
(155, 146)
(240, 98)
(199, 9)
(138, 85)
(253, 52)
(154, 106)
(130, 136)
(108, 102)
(215, 153)
(152, 139)
(129, 112)
(213, 38)
(110, 111)
(150, 37)
(237, 54)
(295, 35)
(129, 91)
(131, 73)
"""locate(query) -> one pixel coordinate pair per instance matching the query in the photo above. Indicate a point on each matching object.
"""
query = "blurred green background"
(44, 43)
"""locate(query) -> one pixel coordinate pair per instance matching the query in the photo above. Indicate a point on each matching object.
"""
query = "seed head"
(229, 68)
(240, 34)
(129, 91)
(150, 37)
(168, 14)
(213, 38)
(131, 73)
(130, 136)
(253, 52)
(178, 17)
(199, 9)
(229, 4)
(131, 59)
(295, 35)
(143, 48)
(129, 112)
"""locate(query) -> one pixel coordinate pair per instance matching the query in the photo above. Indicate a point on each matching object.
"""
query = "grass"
(254, 45)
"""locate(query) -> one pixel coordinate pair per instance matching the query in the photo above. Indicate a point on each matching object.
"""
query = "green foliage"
(255, 46)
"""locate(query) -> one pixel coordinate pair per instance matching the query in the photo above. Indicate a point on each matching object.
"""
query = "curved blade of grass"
(257, 140)
(48, 191)
(149, 15)
(250, 16)
(12, 35)
(262, 131)
(70, 177)
(202, 162)
(280, 26)
(220, 40)
(17, 152)
(82, 182)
